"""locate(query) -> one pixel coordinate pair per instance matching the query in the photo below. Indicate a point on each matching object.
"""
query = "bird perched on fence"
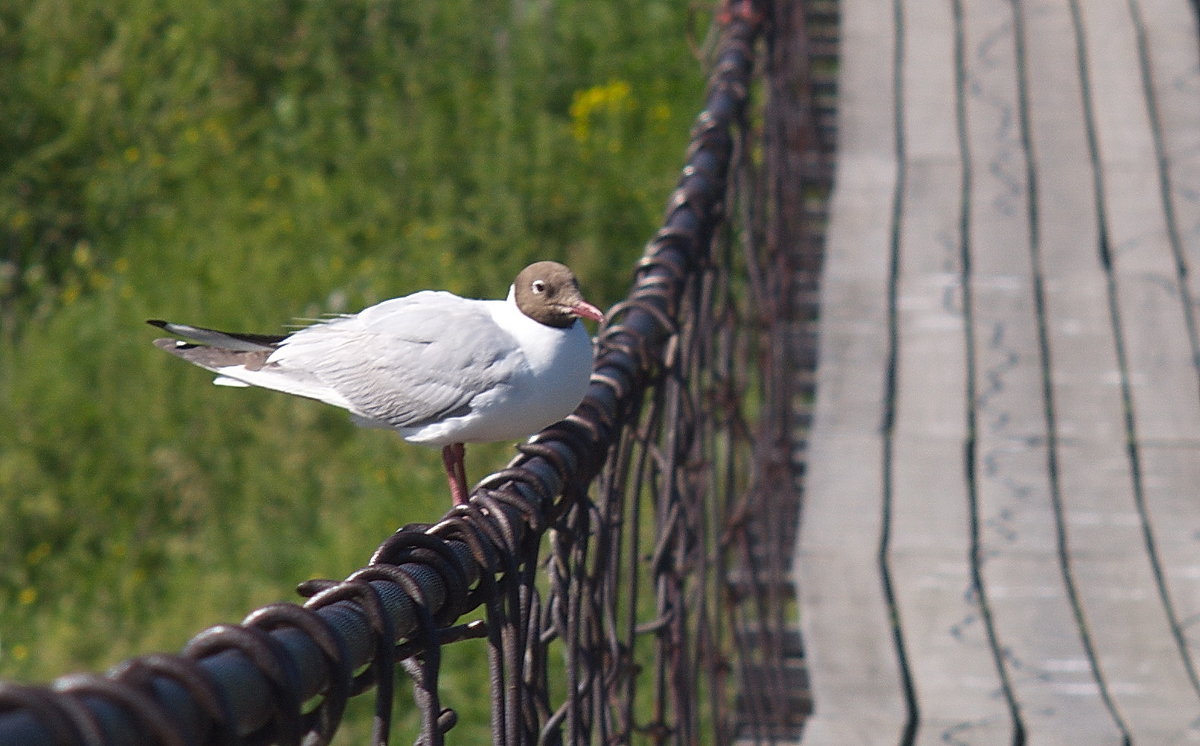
(438, 369)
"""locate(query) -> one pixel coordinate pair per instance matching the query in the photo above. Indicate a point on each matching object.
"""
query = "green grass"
(240, 164)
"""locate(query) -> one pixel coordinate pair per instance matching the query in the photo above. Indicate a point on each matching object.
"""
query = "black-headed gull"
(438, 369)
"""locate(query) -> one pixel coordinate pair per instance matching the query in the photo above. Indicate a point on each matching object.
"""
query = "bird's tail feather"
(216, 359)
(243, 360)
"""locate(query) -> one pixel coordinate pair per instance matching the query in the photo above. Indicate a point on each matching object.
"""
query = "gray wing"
(407, 362)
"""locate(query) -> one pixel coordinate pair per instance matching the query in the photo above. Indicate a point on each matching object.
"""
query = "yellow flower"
(612, 98)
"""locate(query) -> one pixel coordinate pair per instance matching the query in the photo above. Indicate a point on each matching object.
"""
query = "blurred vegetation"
(239, 164)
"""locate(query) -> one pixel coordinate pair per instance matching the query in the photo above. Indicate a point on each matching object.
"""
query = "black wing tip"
(233, 341)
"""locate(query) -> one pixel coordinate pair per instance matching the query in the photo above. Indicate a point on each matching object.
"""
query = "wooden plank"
(1170, 470)
(1095, 474)
(856, 685)
(857, 694)
(1031, 611)
(1159, 356)
(1171, 474)
(1162, 373)
(1137, 683)
(1139, 660)
(1172, 50)
(954, 673)
(851, 660)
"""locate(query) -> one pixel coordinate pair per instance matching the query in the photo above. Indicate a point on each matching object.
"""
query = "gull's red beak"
(586, 310)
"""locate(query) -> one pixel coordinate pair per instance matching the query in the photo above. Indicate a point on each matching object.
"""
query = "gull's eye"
(539, 286)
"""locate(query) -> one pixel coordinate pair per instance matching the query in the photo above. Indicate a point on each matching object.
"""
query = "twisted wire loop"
(656, 590)
(640, 501)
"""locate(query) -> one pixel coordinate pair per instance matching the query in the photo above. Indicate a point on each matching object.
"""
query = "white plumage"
(438, 369)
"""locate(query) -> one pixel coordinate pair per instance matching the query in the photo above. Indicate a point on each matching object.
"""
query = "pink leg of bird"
(453, 458)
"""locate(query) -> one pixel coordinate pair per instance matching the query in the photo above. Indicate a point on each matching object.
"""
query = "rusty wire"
(659, 613)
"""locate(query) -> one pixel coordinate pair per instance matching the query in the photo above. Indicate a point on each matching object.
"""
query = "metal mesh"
(632, 560)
